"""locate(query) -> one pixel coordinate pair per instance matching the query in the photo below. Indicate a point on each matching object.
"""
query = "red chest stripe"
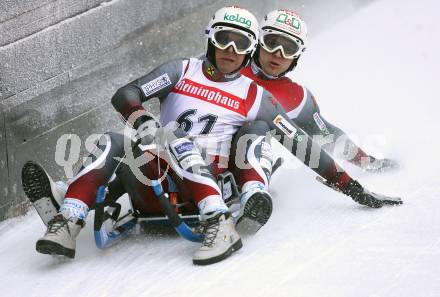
(212, 95)
(288, 93)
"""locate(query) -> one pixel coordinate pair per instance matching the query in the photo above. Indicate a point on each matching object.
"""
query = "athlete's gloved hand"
(362, 196)
(380, 165)
(146, 128)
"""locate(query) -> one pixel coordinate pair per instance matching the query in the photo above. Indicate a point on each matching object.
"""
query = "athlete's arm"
(296, 140)
(158, 83)
(311, 154)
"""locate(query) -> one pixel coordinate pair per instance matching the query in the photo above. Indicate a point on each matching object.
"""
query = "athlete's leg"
(60, 237)
(197, 180)
(252, 167)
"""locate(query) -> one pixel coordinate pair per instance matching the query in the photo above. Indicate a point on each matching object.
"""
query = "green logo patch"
(290, 21)
(237, 18)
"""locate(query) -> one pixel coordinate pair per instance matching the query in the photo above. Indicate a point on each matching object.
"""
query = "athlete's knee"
(249, 133)
(116, 139)
(255, 127)
(100, 147)
(107, 140)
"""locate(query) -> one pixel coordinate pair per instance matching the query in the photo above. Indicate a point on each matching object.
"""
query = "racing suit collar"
(212, 73)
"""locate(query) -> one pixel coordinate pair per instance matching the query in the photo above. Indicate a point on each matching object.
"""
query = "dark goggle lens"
(224, 37)
(274, 40)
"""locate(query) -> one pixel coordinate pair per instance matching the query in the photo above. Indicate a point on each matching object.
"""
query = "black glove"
(146, 128)
(380, 165)
(365, 197)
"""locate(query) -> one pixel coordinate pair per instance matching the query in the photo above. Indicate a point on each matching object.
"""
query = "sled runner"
(110, 226)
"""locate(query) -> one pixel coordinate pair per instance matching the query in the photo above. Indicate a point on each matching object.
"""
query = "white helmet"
(286, 31)
(232, 26)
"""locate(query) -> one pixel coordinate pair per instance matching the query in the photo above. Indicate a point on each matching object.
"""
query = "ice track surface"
(375, 75)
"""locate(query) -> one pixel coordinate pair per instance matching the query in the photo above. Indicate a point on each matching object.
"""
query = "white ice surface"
(375, 75)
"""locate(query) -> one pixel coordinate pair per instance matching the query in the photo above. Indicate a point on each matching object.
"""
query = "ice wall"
(61, 61)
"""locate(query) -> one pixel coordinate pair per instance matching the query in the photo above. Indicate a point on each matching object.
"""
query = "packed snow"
(375, 75)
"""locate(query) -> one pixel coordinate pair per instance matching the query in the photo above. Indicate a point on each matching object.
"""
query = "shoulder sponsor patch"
(156, 84)
(285, 126)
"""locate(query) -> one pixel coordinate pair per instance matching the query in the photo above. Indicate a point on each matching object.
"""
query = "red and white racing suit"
(210, 107)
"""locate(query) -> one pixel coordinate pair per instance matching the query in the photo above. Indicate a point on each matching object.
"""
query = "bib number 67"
(186, 121)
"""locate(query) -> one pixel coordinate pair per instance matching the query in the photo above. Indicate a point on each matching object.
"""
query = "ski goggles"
(241, 41)
(273, 41)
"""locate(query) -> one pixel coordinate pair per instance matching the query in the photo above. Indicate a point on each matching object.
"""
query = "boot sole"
(35, 182)
(52, 248)
(258, 209)
(235, 247)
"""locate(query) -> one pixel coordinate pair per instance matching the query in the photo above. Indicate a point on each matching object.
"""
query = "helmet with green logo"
(283, 30)
(232, 26)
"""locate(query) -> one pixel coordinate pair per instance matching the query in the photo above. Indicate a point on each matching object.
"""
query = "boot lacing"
(210, 229)
(56, 224)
